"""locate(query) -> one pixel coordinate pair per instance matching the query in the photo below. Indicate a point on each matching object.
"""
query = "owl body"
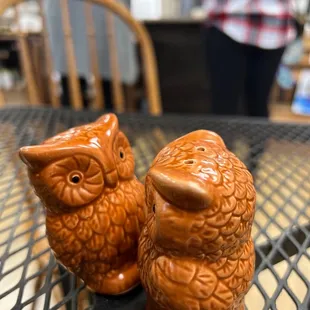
(195, 250)
(100, 238)
(94, 204)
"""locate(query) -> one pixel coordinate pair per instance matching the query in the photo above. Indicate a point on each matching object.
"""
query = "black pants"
(240, 75)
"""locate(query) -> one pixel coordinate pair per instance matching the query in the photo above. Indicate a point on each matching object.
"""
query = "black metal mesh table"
(277, 154)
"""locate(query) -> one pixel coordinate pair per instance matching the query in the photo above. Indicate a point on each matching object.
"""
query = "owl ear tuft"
(110, 120)
(32, 156)
(38, 156)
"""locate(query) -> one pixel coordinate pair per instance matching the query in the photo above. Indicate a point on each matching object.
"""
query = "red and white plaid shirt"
(268, 24)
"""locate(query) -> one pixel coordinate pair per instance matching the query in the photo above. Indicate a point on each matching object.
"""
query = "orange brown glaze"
(195, 250)
(94, 204)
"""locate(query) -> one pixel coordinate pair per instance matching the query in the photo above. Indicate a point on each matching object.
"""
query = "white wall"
(155, 9)
(146, 9)
(301, 5)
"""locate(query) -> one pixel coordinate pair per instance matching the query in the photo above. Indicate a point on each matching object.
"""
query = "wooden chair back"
(112, 7)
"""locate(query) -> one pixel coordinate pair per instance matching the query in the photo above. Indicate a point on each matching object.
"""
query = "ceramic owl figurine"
(94, 204)
(195, 250)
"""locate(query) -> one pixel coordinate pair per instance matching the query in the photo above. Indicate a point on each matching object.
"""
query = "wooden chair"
(149, 66)
(2, 100)
(150, 73)
(25, 56)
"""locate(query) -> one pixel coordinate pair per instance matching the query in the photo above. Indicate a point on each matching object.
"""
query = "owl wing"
(189, 284)
(61, 237)
(228, 224)
(237, 270)
(117, 222)
(230, 215)
(137, 190)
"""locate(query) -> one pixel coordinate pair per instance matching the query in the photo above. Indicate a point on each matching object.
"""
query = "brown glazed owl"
(195, 250)
(94, 204)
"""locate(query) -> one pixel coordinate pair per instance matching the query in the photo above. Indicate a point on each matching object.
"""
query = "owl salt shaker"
(94, 204)
(195, 250)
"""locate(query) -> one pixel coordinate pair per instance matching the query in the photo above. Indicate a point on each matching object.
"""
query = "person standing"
(245, 43)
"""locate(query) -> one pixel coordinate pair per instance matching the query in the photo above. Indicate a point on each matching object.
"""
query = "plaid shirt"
(268, 24)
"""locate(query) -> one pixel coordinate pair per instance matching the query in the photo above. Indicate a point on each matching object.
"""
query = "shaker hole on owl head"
(189, 162)
(201, 149)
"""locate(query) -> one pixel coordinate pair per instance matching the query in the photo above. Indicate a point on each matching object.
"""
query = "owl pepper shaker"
(94, 204)
(195, 250)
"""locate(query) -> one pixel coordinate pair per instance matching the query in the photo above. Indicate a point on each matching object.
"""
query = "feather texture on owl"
(94, 204)
(195, 250)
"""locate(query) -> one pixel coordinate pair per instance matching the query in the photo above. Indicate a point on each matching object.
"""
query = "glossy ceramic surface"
(94, 203)
(196, 251)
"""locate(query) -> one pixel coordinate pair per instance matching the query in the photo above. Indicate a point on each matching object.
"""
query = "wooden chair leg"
(98, 99)
(74, 84)
(26, 64)
(117, 89)
(131, 98)
(36, 51)
(52, 86)
(2, 99)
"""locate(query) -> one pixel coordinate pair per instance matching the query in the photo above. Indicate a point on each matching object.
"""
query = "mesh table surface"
(277, 154)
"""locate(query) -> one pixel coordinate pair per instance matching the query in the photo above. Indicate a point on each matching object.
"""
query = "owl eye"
(123, 156)
(154, 208)
(75, 179)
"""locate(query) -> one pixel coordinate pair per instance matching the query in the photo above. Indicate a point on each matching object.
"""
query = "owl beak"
(111, 178)
(181, 188)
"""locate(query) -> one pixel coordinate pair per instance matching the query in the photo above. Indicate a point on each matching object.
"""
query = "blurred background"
(175, 28)
(170, 56)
